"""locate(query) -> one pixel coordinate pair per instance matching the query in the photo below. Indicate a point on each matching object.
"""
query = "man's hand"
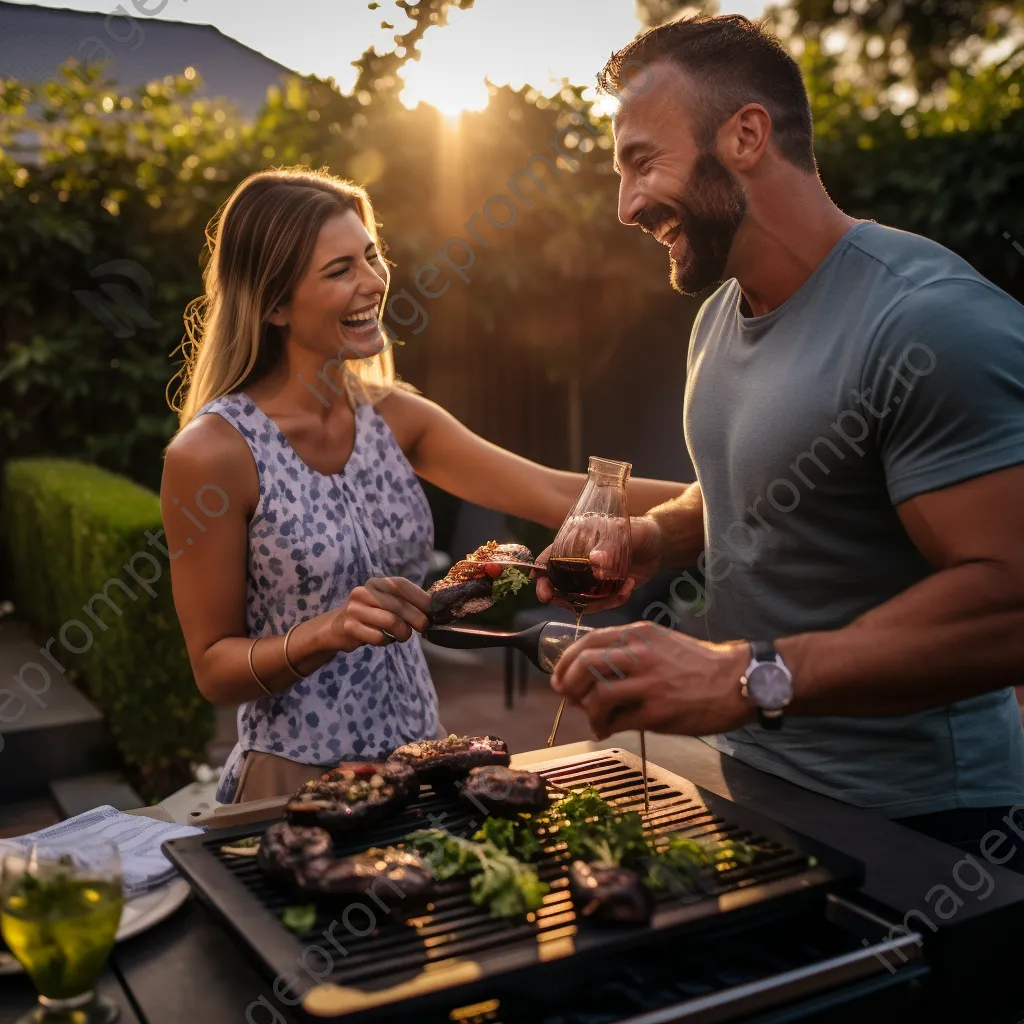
(646, 542)
(644, 676)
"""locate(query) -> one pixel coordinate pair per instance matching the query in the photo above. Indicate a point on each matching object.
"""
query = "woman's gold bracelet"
(252, 669)
(294, 671)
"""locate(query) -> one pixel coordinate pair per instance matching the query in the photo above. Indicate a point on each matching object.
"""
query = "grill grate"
(374, 950)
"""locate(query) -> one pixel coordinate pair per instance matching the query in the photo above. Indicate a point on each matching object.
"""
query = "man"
(855, 414)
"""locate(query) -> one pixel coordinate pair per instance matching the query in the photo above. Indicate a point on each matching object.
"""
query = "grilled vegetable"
(248, 847)
(498, 881)
(299, 919)
(505, 791)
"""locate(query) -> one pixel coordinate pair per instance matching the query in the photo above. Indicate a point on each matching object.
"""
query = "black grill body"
(370, 966)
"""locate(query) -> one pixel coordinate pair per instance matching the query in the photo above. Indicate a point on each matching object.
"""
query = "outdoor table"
(188, 969)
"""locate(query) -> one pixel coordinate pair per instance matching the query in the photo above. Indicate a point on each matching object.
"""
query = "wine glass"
(60, 906)
(592, 551)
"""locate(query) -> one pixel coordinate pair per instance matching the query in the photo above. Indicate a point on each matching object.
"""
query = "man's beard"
(710, 212)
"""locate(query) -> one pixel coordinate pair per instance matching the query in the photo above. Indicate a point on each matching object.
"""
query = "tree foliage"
(937, 36)
(99, 179)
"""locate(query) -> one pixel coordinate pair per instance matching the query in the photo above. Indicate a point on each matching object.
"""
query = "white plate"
(140, 913)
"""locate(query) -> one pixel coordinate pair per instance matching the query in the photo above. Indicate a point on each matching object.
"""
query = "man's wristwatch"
(768, 683)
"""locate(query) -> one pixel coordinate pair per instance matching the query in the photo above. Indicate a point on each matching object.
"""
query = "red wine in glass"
(575, 580)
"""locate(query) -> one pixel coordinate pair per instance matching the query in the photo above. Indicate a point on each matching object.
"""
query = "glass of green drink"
(59, 911)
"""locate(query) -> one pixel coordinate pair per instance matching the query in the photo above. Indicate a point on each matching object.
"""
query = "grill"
(367, 962)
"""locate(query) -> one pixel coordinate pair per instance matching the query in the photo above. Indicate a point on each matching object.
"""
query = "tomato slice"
(494, 570)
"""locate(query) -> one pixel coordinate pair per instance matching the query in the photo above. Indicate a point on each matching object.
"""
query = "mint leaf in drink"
(299, 919)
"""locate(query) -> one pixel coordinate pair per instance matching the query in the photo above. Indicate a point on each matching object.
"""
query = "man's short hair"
(732, 61)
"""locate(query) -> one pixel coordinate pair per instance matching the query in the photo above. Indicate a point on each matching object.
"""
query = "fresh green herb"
(511, 581)
(505, 885)
(677, 860)
(593, 830)
(511, 835)
(299, 919)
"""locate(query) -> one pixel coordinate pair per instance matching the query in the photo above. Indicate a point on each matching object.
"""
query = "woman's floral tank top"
(313, 539)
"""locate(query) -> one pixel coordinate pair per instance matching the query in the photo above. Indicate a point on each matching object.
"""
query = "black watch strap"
(769, 721)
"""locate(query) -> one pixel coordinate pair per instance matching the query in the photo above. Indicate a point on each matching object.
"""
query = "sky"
(509, 41)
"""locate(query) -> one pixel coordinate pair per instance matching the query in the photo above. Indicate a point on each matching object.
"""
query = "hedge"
(87, 577)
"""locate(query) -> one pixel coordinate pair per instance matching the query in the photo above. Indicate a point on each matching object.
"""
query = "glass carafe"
(591, 553)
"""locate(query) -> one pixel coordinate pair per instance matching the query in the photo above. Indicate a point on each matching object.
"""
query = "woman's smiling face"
(335, 308)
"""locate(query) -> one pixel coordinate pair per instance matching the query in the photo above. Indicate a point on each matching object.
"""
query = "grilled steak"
(469, 588)
(284, 848)
(337, 781)
(505, 792)
(442, 762)
(406, 875)
(344, 802)
(608, 894)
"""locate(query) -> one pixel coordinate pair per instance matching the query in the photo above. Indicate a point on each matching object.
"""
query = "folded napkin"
(137, 838)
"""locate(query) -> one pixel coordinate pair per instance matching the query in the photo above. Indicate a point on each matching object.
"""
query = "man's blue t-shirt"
(895, 370)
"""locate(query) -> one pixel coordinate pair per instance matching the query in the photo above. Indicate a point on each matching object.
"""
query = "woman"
(295, 593)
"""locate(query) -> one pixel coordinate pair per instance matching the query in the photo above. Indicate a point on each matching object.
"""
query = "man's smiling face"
(672, 189)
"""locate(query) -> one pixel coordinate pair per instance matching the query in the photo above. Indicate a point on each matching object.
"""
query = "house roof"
(35, 41)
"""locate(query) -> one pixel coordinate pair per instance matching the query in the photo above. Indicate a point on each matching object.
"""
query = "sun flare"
(531, 42)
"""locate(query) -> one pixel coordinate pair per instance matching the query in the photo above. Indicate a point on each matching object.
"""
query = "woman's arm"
(449, 455)
(208, 577)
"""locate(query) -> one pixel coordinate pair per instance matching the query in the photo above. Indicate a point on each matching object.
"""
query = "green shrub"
(86, 576)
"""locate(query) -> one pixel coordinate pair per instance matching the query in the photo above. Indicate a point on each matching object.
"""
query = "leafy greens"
(511, 581)
(499, 881)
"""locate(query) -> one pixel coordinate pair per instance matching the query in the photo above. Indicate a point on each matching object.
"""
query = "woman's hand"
(383, 605)
(646, 539)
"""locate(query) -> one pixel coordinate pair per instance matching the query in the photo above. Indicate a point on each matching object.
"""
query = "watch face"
(770, 685)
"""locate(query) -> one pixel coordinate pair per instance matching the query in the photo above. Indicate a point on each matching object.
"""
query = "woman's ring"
(392, 639)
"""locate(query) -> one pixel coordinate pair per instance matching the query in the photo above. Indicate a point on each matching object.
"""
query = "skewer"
(561, 705)
(558, 718)
(643, 760)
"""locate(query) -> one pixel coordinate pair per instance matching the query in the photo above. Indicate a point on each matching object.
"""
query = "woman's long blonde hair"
(260, 243)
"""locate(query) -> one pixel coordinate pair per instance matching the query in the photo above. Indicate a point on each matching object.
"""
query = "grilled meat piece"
(404, 778)
(343, 804)
(609, 894)
(451, 601)
(284, 848)
(440, 763)
(468, 589)
(337, 781)
(405, 875)
(505, 792)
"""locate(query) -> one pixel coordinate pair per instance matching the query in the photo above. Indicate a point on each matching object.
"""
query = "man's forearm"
(954, 635)
(682, 528)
